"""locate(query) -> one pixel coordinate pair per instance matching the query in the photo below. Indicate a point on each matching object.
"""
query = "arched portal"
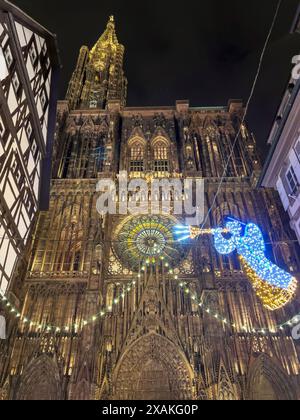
(153, 368)
(267, 381)
(40, 381)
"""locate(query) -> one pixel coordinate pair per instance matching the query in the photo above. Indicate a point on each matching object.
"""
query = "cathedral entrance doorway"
(153, 368)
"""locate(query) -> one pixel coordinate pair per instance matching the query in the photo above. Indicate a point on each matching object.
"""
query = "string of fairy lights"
(75, 327)
(226, 322)
(187, 289)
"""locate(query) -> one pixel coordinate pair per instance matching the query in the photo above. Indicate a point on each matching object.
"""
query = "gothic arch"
(161, 153)
(103, 128)
(4, 391)
(40, 381)
(71, 128)
(226, 388)
(160, 133)
(267, 381)
(137, 140)
(88, 126)
(210, 123)
(80, 385)
(160, 139)
(153, 368)
(136, 153)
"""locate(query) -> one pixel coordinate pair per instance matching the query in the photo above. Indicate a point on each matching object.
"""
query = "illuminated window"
(160, 152)
(161, 158)
(137, 166)
(161, 166)
(292, 180)
(8, 56)
(137, 152)
(101, 155)
(93, 104)
(137, 158)
(16, 82)
(32, 53)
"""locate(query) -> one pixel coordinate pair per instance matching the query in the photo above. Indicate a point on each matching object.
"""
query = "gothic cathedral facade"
(114, 308)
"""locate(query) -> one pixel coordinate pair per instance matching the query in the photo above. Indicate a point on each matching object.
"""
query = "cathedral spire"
(99, 75)
(107, 39)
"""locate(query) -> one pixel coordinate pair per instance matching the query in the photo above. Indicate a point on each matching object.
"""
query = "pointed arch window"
(137, 155)
(161, 156)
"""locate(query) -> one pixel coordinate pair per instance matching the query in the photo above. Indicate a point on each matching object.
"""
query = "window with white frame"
(8, 56)
(292, 180)
(16, 82)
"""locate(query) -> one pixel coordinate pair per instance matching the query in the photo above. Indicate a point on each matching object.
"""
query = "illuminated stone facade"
(28, 64)
(103, 326)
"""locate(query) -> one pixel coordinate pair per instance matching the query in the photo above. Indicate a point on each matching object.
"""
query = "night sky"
(206, 51)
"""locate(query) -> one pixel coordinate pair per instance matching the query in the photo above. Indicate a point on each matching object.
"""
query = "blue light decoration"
(182, 232)
(252, 248)
(274, 286)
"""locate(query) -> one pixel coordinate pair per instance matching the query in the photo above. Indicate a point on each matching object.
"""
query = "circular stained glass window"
(147, 239)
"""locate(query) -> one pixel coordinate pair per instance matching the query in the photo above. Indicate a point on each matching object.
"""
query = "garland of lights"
(186, 289)
(293, 321)
(274, 286)
(74, 327)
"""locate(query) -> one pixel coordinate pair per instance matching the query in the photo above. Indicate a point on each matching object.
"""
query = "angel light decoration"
(274, 286)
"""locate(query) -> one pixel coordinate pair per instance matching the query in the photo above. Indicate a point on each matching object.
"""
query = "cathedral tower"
(113, 307)
(99, 75)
